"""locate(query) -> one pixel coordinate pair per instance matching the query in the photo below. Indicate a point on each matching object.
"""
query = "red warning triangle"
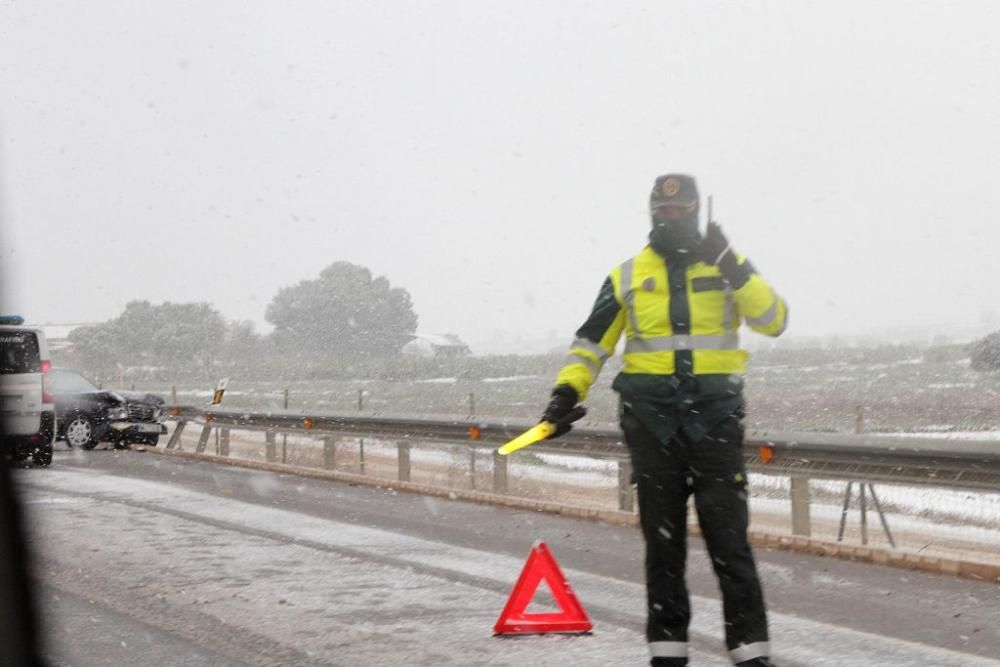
(514, 620)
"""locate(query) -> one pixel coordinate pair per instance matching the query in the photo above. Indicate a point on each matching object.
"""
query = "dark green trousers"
(713, 471)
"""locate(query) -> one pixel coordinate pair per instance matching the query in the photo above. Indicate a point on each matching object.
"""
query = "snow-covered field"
(809, 390)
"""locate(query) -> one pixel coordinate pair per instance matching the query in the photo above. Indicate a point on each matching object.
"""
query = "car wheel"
(42, 457)
(80, 433)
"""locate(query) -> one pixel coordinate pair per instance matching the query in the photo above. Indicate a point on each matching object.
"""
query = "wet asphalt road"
(95, 625)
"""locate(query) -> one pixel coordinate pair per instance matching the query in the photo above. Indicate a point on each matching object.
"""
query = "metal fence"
(926, 495)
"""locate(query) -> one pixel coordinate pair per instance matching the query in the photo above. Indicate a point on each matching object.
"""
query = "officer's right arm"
(595, 342)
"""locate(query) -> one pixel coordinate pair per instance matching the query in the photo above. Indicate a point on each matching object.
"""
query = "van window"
(19, 353)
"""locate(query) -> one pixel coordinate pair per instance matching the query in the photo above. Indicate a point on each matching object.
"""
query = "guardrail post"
(270, 450)
(404, 461)
(175, 437)
(206, 431)
(626, 503)
(472, 467)
(361, 454)
(224, 443)
(284, 436)
(864, 514)
(499, 474)
(881, 515)
(801, 524)
(843, 512)
(329, 452)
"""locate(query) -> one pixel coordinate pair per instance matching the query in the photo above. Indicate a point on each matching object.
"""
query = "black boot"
(668, 662)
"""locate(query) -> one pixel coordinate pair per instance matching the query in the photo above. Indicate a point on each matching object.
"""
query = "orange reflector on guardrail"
(474, 432)
(175, 411)
(308, 423)
(766, 453)
(208, 416)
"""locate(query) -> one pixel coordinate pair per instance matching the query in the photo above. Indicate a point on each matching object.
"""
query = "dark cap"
(676, 189)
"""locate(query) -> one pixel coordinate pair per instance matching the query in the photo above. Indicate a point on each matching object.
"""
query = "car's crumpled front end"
(137, 418)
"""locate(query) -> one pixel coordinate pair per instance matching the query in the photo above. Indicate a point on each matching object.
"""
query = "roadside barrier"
(810, 470)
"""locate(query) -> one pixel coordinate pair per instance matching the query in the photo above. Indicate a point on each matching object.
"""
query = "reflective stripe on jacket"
(676, 320)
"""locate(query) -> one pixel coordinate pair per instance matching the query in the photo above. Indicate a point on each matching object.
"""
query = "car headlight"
(117, 412)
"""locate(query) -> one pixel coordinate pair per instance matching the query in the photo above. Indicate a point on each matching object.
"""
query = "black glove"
(714, 244)
(715, 249)
(561, 410)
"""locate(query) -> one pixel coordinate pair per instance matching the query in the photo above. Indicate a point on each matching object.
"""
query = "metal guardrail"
(865, 458)
(940, 462)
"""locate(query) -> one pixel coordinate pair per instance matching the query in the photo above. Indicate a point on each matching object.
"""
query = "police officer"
(680, 302)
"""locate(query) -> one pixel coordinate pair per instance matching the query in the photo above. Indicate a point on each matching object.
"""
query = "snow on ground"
(599, 472)
(362, 595)
(511, 378)
(580, 462)
(898, 523)
(945, 505)
(978, 436)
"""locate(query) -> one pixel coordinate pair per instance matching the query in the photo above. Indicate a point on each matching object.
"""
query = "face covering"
(676, 238)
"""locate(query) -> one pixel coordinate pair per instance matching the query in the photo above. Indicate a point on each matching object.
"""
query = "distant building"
(57, 335)
(436, 345)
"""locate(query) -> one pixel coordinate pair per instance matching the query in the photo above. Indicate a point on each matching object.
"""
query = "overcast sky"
(495, 158)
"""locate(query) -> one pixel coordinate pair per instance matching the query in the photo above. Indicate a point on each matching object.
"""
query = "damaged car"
(87, 415)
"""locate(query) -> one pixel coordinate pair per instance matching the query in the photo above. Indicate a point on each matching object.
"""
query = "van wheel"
(80, 433)
(42, 457)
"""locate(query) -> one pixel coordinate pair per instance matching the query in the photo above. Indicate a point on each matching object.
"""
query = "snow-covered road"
(229, 561)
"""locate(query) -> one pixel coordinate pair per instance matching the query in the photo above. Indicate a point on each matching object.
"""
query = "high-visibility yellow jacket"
(679, 320)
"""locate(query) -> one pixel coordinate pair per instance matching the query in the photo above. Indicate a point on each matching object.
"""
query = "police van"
(27, 407)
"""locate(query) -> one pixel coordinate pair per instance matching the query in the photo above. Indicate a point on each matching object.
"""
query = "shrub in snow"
(984, 354)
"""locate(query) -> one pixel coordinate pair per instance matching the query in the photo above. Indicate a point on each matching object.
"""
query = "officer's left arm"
(761, 307)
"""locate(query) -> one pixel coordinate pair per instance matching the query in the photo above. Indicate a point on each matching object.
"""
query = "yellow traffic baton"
(536, 433)
(543, 431)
